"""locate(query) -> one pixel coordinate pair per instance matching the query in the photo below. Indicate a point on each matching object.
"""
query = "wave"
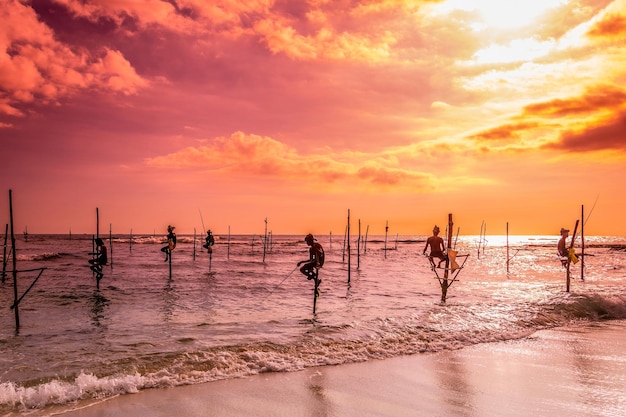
(40, 256)
(447, 327)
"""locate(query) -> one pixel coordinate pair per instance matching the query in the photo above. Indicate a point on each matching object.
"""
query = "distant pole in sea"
(367, 229)
(194, 243)
(17, 314)
(228, 251)
(386, 231)
(130, 240)
(507, 248)
(330, 240)
(265, 241)
(348, 239)
(582, 242)
(343, 248)
(111, 243)
(358, 248)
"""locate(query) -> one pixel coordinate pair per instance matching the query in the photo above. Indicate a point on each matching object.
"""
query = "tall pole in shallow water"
(507, 247)
(348, 239)
(582, 242)
(4, 253)
(444, 282)
(17, 314)
(569, 258)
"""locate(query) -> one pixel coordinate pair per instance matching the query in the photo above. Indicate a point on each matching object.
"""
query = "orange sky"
(296, 111)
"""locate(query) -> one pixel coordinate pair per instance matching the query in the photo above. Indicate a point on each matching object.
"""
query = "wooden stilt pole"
(111, 244)
(507, 248)
(358, 248)
(4, 253)
(169, 257)
(343, 249)
(15, 303)
(228, 251)
(348, 235)
(582, 242)
(316, 289)
(194, 243)
(569, 258)
(444, 282)
(265, 241)
(386, 231)
(367, 229)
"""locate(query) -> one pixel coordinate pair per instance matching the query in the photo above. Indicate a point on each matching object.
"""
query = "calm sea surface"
(243, 311)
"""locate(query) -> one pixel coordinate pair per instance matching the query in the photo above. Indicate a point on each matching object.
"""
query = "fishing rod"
(202, 220)
(280, 283)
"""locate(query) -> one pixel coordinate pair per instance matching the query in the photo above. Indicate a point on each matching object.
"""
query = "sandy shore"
(576, 371)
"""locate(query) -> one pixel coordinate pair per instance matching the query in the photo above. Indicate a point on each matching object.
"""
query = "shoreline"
(575, 370)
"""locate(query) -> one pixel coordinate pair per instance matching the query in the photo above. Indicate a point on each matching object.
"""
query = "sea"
(246, 309)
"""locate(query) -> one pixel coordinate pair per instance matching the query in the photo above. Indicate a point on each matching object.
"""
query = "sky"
(224, 114)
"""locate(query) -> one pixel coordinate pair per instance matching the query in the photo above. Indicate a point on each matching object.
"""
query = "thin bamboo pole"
(4, 253)
(508, 258)
(582, 242)
(16, 308)
(386, 231)
(348, 239)
(569, 258)
(358, 248)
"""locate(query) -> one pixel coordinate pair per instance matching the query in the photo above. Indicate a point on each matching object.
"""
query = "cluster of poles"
(446, 275)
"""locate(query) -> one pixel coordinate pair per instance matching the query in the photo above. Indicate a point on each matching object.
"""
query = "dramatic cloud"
(34, 66)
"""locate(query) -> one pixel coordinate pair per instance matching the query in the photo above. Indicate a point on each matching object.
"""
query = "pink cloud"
(266, 157)
(35, 66)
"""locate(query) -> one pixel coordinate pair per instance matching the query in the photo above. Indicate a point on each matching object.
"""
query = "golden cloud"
(261, 156)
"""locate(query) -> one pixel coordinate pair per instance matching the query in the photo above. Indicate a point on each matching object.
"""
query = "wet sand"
(574, 371)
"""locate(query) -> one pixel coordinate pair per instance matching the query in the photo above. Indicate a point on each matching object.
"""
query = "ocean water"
(246, 310)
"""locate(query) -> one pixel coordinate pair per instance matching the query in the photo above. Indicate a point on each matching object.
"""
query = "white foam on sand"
(578, 370)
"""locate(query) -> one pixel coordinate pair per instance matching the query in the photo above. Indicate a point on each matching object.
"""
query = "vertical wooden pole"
(343, 249)
(330, 240)
(367, 229)
(17, 314)
(386, 231)
(265, 241)
(444, 281)
(228, 251)
(111, 244)
(348, 236)
(358, 248)
(316, 289)
(4, 253)
(569, 258)
(170, 260)
(97, 223)
(130, 240)
(507, 247)
(194, 243)
(582, 242)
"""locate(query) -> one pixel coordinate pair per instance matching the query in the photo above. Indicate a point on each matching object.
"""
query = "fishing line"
(594, 206)
(279, 284)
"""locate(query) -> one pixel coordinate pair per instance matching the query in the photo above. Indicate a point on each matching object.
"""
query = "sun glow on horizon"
(502, 14)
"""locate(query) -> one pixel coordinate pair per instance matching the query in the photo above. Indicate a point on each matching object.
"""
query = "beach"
(579, 370)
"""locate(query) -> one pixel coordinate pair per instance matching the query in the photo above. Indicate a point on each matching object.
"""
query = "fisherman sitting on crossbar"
(436, 247)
